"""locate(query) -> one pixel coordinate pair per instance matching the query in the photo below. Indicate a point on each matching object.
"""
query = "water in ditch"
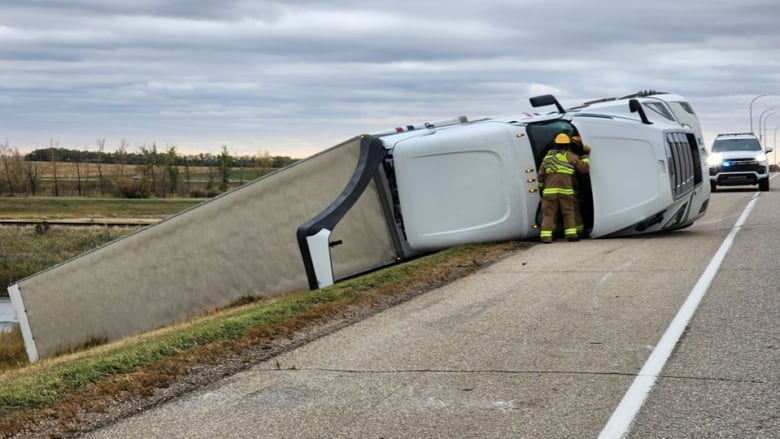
(7, 314)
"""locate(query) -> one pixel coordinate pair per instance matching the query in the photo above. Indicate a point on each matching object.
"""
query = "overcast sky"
(294, 77)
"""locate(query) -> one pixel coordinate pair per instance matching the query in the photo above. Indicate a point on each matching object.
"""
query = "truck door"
(628, 174)
(471, 183)
(541, 137)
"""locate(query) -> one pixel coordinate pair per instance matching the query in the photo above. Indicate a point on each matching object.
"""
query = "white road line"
(620, 422)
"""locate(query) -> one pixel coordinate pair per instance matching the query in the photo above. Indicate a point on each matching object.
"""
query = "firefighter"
(556, 182)
(582, 150)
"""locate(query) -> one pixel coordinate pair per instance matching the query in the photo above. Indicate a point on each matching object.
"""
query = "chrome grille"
(680, 159)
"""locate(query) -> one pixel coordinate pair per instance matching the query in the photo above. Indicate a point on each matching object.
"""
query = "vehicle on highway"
(738, 159)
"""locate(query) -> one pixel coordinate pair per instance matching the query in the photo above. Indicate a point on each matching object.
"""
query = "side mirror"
(544, 100)
(636, 107)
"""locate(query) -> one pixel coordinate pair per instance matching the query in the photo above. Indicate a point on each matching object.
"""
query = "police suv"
(738, 159)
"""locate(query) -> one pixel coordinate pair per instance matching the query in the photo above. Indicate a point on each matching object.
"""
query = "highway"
(675, 335)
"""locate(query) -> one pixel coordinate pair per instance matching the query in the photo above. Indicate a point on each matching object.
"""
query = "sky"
(295, 77)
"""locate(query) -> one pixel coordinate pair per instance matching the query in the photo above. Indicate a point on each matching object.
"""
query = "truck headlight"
(761, 157)
(715, 159)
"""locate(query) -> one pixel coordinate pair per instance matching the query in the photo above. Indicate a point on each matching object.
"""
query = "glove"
(585, 149)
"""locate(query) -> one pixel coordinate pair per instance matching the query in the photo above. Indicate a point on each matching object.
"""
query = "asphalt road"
(544, 344)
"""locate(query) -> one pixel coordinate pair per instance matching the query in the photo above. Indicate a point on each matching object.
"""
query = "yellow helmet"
(562, 139)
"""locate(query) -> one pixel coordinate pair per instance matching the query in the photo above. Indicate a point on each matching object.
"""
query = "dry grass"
(12, 353)
(71, 170)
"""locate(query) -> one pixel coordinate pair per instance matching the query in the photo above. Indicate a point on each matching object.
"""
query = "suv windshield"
(721, 145)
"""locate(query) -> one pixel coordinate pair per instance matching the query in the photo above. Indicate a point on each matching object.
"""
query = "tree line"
(147, 172)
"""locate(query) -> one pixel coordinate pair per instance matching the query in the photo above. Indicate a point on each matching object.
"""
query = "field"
(121, 180)
(90, 171)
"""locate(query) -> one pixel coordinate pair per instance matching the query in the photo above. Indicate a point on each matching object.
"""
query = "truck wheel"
(763, 184)
(712, 187)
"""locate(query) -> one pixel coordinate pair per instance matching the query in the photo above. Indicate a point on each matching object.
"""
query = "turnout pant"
(551, 205)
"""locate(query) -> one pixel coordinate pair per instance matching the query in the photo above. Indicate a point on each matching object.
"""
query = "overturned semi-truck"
(370, 202)
(459, 181)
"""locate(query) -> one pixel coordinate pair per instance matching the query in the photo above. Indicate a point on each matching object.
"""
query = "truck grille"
(741, 165)
(684, 163)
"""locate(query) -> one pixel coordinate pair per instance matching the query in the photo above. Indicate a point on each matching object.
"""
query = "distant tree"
(77, 162)
(86, 161)
(172, 170)
(208, 161)
(31, 170)
(224, 169)
(281, 161)
(121, 156)
(242, 162)
(12, 172)
(265, 162)
(54, 159)
(101, 143)
(136, 187)
(187, 177)
(149, 168)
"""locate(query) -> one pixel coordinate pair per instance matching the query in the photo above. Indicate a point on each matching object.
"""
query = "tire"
(712, 187)
(763, 184)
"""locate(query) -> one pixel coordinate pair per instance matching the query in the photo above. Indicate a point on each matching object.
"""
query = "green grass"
(65, 208)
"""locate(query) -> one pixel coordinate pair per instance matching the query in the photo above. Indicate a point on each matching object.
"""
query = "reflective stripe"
(572, 231)
(557, 191)
(556, 162)
(545, 234)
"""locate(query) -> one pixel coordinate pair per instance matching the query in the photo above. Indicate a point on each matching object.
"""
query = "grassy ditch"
(57, 395)
(27, 250)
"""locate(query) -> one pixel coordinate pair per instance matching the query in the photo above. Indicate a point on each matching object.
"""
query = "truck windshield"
(722, 145)
(660, 109)
(542, 135)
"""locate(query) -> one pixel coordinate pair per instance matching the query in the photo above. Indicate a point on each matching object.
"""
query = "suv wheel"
(763, 184)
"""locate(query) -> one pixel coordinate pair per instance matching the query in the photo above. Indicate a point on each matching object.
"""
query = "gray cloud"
(295, 77)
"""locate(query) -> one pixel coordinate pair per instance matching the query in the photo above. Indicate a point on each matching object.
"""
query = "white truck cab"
(476, 181)
(462, 181)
